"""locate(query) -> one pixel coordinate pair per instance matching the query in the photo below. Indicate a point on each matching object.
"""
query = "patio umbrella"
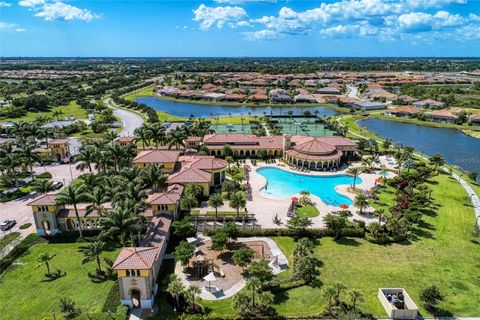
(210, 277)
(294, 199)
(343, 206)
(378, 180)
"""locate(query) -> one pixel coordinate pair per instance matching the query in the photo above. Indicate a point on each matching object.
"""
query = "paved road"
(19, 210)
(353, 91)
(130, 120)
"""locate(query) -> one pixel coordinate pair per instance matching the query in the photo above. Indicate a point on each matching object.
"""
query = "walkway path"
(130, 119)
(279, 267)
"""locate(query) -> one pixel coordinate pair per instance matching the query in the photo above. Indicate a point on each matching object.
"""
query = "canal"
(185, 109)
(456, 147)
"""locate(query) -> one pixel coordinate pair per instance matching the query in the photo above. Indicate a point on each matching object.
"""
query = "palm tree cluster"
(17, 160)
(177, 290)
(341, 302)
(155, 134)
(105, 156)
(123, 186)
(412, 199)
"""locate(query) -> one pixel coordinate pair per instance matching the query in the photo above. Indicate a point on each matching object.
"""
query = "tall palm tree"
(119, 222)
(96, 200)
(89, 180)
(153, 177)
(92, 251)
(43, 186)
(143, 134)
(238, 201)
(216, 201)
(175, 287)
(86, 158)
(10, 161)
(29, 156)
(157, 132)
(72, 195)
(355, 172)
(361, 202)
(191, 294)
(175, 138)
(44, 259)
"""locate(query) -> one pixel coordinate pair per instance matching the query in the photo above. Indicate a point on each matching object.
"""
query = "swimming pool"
(282, 184)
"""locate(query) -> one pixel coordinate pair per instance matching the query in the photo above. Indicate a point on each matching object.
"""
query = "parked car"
(57, 185)
(7, 224)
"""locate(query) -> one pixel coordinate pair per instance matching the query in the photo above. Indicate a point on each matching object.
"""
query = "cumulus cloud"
(219, 16)
(244, 1)
(31, 3)
(4, 26)
(384, 19)
(4, 4)
(62, 11)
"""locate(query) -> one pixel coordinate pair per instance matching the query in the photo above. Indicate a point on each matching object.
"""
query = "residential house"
(433, 104)
(444, 115)
(403, 111)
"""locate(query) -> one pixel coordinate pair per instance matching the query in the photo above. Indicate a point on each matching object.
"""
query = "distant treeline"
(262, 65)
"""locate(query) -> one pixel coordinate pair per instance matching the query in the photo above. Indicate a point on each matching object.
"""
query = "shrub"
(351, 231)
(25, 226)
(44, 175)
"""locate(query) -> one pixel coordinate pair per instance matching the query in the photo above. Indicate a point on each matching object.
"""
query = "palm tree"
(354, 297)
(96, 199)
(238, 201)
(119, 222)
(153, 177)
(361, 202)
(72, 195)
(175, 138)
(355, 172)
(143, 134)
(380, 213)
(254, 285)
(409, 164)
(43, 186)
(215, 200)
(29, 156)
(157, 133)
(92, 251)
(86, 158)
(188, 202)
(44, 258)
(437, 161)
(191, 294)
(175, 287)
(89, 180)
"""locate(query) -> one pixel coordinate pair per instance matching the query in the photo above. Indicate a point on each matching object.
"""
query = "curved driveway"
(130, 119)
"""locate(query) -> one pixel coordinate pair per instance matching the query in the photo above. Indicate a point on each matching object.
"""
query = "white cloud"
(6, 25)
(348, 31)
(62, 11)
(31, 3)
(244, 1)
(5, 4)
(218, 16)
(261, 35)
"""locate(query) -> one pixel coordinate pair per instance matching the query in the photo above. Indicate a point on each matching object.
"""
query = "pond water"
(456, 147)
(282, 184)
(185, 109)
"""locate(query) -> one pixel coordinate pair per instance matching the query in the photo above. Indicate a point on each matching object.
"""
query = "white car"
(7, 224)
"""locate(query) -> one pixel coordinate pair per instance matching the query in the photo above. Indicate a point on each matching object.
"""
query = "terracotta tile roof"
(193, 139)
(170, 197)
(157, 232)
(190, 175)
(226, 138)
(45, 200)
(140, 258)
(58, 141)
(405, 109)
(315, 147)
(203, 162)
(157, 156)
(302, 156)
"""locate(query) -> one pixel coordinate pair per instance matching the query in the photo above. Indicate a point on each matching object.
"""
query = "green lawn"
(72, 109)
(144, 92)
(308, 211)
(26, 294)
(440, 252)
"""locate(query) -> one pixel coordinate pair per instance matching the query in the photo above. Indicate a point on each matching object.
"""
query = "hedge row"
(353, 231)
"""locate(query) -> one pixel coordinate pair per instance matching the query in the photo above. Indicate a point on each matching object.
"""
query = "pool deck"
(266, 208)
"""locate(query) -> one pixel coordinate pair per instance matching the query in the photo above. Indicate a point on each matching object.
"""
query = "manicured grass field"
(440, 252)
(72, 109)
(25, 293)
(308, 211)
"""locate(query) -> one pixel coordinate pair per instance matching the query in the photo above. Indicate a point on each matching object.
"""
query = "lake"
(456, 147)
(185, 109)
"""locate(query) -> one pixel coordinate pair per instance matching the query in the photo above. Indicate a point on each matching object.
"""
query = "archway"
(136, 296)
(46, 226)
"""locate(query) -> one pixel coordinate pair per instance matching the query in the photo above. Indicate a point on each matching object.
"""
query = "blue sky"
(240, 28)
